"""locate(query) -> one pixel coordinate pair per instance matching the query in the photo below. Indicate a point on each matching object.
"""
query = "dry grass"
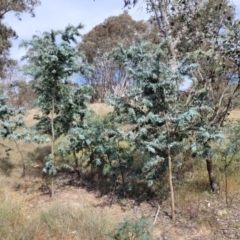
(65, 221)
(234, 114)
(12, 219)
(28, 118)
(58, 219)
(101, 109)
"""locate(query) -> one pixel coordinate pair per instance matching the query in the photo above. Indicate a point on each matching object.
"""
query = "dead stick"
(155, 219)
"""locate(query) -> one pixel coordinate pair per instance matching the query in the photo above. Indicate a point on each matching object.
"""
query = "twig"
(155, 219)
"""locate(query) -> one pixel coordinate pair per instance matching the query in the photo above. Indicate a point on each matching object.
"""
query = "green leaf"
(151, 149)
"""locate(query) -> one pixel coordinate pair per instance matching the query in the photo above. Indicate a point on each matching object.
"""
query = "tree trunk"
(52, 187)
(212, 179)
(52, 146)
(24, 170)
(22, 158)
(75, 159)
(170, 176)
(171, 184)
(226, 181)
(76, 164)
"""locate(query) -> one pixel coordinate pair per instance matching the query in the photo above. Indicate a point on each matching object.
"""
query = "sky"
(57, 14)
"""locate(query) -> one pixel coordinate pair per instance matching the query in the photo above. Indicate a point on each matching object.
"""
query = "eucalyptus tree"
(7, 32)
(17, 88)
(98, 43)
(52, 59)
(206, 32)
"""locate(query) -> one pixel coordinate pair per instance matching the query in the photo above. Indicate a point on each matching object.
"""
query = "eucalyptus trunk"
(211, 174)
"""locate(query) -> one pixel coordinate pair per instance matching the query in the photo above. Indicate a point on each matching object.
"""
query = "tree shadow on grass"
(102, 185)
(6, 166)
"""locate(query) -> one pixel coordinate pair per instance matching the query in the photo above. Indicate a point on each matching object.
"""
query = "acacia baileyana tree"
(163, 124)
(51, 62)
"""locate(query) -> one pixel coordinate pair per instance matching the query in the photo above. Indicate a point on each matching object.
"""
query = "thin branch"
(4, 12)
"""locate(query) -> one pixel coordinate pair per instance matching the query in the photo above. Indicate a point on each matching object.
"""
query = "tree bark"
(212, 178)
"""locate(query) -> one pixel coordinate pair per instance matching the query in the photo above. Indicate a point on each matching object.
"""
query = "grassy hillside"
(81, 211)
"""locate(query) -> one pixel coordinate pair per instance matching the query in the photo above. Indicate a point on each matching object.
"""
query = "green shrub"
(133, 230)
